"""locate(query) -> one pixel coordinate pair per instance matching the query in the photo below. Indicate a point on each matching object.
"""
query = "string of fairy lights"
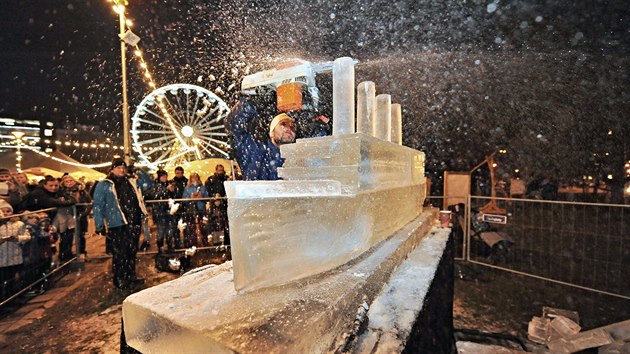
(119, 7)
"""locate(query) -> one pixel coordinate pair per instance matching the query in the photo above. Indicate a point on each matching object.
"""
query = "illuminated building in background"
(37, 134)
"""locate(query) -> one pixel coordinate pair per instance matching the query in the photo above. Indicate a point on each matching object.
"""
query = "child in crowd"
(13, 233)
(217, 221)
(37, 252)
(50, 248)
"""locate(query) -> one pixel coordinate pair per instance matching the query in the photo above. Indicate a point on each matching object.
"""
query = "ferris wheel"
(179, 123)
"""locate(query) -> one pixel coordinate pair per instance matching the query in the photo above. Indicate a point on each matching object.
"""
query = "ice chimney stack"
(366, 107)
(343, 96)
(396, 124)
(383, 122)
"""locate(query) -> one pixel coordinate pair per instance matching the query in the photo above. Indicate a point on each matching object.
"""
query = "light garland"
(143, 66)
(119, 7)
(78, 164)
(91, 145)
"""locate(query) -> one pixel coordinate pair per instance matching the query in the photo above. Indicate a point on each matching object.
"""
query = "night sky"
(61, 58)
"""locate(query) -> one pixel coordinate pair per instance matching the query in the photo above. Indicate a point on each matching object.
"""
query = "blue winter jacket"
(106, 207)
(258, 160)
(189, 190)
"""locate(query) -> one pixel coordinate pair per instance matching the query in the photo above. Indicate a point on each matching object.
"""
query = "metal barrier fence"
(199, 222)
(584, 245)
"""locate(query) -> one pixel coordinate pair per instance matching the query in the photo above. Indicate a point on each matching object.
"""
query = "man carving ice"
(258, 157)
(287, 93)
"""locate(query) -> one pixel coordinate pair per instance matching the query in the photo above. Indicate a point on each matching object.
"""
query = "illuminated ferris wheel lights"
(187, 115)
(202, 112)
(187, 131)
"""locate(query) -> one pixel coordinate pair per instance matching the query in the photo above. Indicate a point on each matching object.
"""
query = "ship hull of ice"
(278, 240)
(201, 312)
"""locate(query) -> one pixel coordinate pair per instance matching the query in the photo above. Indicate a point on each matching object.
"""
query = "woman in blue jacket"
(194, 211)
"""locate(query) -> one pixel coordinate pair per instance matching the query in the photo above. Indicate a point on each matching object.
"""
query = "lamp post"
(18, 136)
(119, 7)
(491, 207)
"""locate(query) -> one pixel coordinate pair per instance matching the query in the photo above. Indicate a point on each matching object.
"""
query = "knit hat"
(277, 119)
(118, 162)
(161, 173)
(4, 171)
(5, 204)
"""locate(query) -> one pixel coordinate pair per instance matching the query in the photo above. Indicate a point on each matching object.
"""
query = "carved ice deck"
(340, 196)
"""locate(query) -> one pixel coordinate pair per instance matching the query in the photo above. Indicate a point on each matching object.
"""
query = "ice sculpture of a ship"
(342, 230)
(340, 195)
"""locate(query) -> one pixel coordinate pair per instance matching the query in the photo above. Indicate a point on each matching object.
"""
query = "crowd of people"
(38, 220)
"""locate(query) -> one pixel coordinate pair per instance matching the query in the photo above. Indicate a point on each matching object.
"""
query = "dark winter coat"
(259, 160)
(214, 184)
(180, 184)
(159, 192)
(40, 198)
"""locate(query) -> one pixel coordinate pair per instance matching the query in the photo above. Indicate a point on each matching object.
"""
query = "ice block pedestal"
(399, 293)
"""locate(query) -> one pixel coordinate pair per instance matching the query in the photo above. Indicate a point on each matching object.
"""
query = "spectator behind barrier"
(73, 190)
(194, 211)
(9, 190)
(214, 183)
(165, 222)
(13, 234)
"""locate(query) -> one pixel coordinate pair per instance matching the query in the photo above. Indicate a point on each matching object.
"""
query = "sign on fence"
(497, 219)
